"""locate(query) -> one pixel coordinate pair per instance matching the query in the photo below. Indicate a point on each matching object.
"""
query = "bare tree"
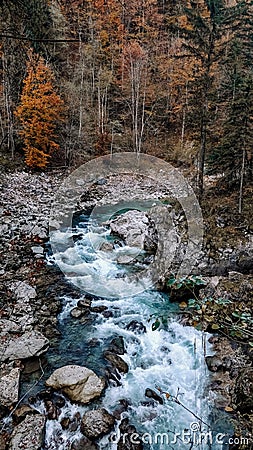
(135, 76)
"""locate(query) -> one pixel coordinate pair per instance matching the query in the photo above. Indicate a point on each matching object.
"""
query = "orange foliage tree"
(38, 113)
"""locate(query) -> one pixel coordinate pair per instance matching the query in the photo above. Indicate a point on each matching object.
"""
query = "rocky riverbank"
(29, 306)
(31, 291)
(29, 295)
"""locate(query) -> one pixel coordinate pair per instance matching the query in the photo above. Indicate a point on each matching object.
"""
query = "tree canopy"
(38, 113)
(167, 78)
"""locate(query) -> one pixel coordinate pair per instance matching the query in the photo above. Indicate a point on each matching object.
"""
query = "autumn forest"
(169, 78)
(126, 256)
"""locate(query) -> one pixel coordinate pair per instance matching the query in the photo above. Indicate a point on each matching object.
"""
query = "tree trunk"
(81, 103)
(241, 180)
(8, 109)
(184, 116)
(202, 154)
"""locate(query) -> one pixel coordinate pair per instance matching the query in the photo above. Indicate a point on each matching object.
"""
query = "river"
(170, 358)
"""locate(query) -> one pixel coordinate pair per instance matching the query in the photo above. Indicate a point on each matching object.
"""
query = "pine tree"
(233, 155)
(237, 130)
(202, 31)
(38, 113)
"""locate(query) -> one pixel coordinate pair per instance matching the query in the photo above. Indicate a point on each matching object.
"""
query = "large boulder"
(136, 230)
(9, 387)
(97, 423)
(29, 434)
(26, 346)
(80, 384)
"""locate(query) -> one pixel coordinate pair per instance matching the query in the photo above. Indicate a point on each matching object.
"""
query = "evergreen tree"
(233, 155)
(202, 31)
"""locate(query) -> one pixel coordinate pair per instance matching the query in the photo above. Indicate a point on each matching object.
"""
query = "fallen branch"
(175, 399)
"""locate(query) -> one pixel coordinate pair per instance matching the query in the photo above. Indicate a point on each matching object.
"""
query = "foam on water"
(171, 358)
(56, 438)
(92, 270)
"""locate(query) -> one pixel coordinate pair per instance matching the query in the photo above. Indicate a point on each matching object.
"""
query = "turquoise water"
(170, 359)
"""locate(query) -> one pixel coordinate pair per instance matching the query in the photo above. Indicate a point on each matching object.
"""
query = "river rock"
(26, 346)
(117, 345)
(113, 374)
(79, 383)
(3, 411)
(3, 443)
(59, 401)
(107, 313)
(28, 435)
(135, 229)
(213, 363)
(75, 422)
(84, 303)
(23, 290)
(65, 422)
(98, 309)
(76, 312)
(21, 412)
(52, 411)
(38, 250)
(136, 327)
(97, 423)
(123, 405)
(125, 259)
(84, 444)
(9, 387)
(152, 394)
(45, 394)
(126, 432)
(106, 247)
(116, 361)
(9, 326)
(168, 253)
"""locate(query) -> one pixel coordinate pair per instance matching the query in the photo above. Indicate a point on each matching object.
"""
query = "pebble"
(38, 250)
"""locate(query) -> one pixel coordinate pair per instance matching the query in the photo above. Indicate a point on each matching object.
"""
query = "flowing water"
(171, 357)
